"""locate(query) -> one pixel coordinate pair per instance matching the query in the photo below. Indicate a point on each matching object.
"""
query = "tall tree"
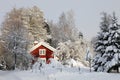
(15, 39)
(100, 43)
(112, 52)
(107, 44)
(33, 19)
(67, 26)
(64, 29)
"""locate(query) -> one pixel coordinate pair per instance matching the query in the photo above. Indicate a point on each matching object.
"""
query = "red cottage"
(42, 51)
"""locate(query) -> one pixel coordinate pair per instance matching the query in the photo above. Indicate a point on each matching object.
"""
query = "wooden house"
(42, 52)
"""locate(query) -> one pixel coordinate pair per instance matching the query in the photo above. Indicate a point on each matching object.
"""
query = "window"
(42, 60)
(42, 52)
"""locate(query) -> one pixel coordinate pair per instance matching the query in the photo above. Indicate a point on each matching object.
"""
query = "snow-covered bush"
(42, 67)
(71, 51)
(54, 63)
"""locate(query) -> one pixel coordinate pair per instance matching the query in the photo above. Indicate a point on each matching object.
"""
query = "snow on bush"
(73, 63)
(71, 50)
(54, 63)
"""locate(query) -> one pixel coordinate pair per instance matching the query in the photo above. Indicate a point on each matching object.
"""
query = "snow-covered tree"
(32, 26)
(88, 57)
(34, 21)
(101, 42)
(113, 49)
(54, 33)
(15, 40)
(71, 50)
(64, 29)
(107, 45)
(63, 51)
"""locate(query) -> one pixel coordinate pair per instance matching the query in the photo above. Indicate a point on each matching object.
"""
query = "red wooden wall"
(49, 53)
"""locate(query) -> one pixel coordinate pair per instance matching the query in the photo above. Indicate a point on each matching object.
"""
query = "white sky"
(87, 12)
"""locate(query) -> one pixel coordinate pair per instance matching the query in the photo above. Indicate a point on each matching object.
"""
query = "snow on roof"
(35, 41)
(44, 44)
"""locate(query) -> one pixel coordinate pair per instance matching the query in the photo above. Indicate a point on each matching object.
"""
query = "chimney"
(42, 40)
(35, 43)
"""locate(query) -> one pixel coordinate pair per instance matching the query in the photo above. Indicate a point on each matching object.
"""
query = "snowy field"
(58, 74)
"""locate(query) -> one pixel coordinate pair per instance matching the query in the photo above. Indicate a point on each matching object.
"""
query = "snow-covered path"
(52, 74)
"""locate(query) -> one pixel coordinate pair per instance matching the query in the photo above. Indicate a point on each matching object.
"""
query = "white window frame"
(42, 51)
(42, 60)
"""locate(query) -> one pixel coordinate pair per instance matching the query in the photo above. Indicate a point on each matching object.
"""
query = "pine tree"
(101, 43)
(113, 49)
(107, 45)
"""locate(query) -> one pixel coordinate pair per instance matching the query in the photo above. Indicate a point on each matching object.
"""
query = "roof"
(44, 44)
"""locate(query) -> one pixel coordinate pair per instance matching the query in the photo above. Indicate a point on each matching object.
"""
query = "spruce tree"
(107, 45)
(101, 43)
(112, 51)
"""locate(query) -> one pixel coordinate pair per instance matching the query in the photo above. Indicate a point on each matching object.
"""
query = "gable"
(35, 52)
(42, 44)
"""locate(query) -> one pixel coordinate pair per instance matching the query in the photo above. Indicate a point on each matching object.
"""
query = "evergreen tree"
(101, 43)
(107, 45)
(112, 52)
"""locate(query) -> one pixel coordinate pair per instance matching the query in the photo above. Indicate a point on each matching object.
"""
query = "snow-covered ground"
(64, 73)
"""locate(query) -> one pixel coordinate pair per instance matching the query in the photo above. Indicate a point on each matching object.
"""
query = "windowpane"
(42, 51)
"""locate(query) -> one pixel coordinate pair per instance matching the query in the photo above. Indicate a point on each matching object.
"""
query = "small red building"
(42, 52)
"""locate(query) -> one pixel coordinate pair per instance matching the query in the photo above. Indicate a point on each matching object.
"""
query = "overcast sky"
(87, 12)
